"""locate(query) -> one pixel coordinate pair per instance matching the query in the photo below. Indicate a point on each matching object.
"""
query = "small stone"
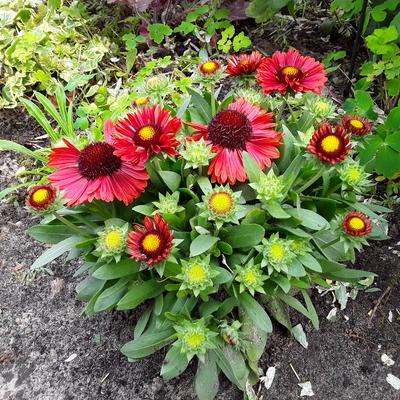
(19, 267)
(56, 286)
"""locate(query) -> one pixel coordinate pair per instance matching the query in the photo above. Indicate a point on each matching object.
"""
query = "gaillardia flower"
(243, 127)
(96, 172)
(140, 101)
(291, 71)
(357, 224)
(151, 244)
(148, 130)
(330, 146)
(41, 197)
(244, 64)
(356, 125)
(210, 67)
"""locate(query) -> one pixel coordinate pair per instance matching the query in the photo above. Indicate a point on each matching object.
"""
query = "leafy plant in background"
(218, 214)
(263, 10)
(43, 45)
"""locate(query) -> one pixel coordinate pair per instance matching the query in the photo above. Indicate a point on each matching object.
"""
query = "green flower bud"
(269, 187)
(353, 175)
(197, 274)
(197, 154)
(251, 277)
(112, 241)
(168, 204)
(194, 338)
(251, 95)
(320, 107)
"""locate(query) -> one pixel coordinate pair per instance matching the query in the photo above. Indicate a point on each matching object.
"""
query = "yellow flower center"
(356, 224)
(321, 106)
(277, 251)
(40, 196)
(290, 71)
(244, 62)
(330, 143)
(113, 240)
(151, 242)
(142, 100)
(210, 66)
(354, 174)
(195, 340)
(221, 203)
(250, 277)
(356, 123)
(147, 133)
(153, 80)
(197, 273)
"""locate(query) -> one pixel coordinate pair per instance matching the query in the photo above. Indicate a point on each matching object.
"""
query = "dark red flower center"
(152, 244)
(147, 135)
(97, 160)
(230, 129)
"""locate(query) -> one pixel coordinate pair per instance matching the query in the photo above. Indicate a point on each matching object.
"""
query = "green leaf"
(255, 311)
(282, 281)
(56, 251)
(111, 295)
(276, 210)
(11, 146)
(232, 364)
(294, 303)
(295, 268)
(117, 270)
(241, 41)
(242, 236)
(379, 41)
(174, 363)
(87, 288)
(204, 184)
(363, 99)
(255, 216)
(201, 244)
(206, 382)
(387, 161)
(142, 322)
(310, 262)
(256, 337)
(55, 4)
(139, 292)
(311, 309)
(148, 343)
(51, 234)
(157, 32)
(253, 171)
(201, 105)
(278, 310)
(171, 179)
(393, 141)
(308, 218)
(131, 59)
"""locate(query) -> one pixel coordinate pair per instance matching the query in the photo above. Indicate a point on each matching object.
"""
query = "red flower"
(244, 64)
(151, 244)
(243, 127)
(357, 125)
(330, 146)
(96, 173)
(41, 197)
(291, 71)
(148, 130)
(210, 67)
(357, 224)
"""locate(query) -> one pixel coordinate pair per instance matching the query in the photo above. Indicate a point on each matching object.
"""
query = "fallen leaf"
(386, 360)
(269, 377)
(306, 389)
(71, 357)
(394, 381)
(300, 335)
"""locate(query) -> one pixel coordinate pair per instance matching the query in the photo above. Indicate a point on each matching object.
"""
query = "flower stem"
(213, 105)
(71, 225)
(332, 242)
(311, 181)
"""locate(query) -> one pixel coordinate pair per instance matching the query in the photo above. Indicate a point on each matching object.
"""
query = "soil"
(49, 352)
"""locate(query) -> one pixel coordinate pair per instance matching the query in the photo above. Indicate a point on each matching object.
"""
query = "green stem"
(247, 259)
(330, 243)
(311, 181)
(213, 105)
(71, 225)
